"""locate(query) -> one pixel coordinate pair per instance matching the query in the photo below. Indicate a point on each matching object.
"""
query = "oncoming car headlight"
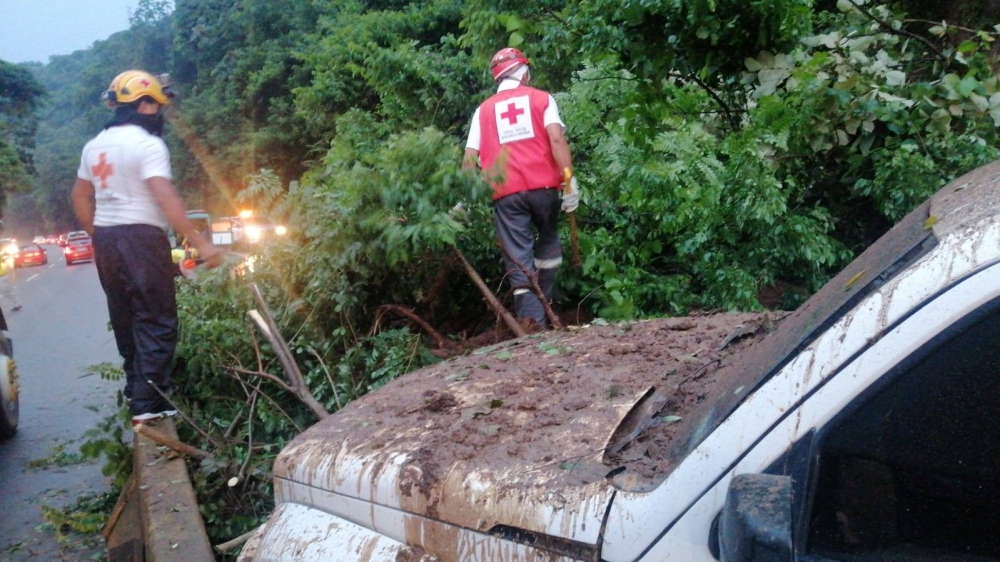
(254, 233)
(280, 230)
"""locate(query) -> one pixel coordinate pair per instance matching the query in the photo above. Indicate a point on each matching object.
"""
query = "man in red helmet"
(518, 139)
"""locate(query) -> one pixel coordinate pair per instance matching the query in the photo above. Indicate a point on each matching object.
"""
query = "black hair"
(128, 114)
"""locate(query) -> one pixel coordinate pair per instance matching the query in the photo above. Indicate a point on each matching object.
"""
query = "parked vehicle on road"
(30, 254)
(77, 250)
(8, 247)
(181, 250)
(255, 229)
(53, 239)
(38, 240)
(9, 405)
(61, 241)
(859, 427)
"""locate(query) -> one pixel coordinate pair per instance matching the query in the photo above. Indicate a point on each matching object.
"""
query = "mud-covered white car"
(861, 427)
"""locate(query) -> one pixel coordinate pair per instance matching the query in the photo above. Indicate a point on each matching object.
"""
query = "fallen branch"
(329, 377)
(264, 321)
(171, 443)
(185, 417)
(116, 513)
(231, 372)
(440, 340)
(901, 32)
(535, 287)
(491, 299)
(238, 541)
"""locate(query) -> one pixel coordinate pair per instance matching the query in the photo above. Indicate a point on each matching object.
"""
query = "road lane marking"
(32, 277)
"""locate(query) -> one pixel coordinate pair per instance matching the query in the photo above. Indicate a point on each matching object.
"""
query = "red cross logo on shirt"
(103, 170)
(511, 114)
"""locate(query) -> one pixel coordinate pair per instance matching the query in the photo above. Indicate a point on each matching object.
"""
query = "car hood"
(512, 436)
(451, 450)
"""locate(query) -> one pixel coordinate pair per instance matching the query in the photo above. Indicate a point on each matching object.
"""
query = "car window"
(77, 234)
(910, 473)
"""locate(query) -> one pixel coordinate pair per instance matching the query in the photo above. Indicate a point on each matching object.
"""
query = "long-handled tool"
(567, 187)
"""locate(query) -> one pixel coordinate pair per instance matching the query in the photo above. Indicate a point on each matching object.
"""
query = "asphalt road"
(60, 331)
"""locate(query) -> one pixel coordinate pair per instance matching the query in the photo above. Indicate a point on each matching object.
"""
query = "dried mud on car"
(545, 405)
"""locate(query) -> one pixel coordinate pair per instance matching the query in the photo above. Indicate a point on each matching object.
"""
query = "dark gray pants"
(137, 274)
(517, 217)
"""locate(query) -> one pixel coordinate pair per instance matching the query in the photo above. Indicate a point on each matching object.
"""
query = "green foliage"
(75, 520)
(107, 371)
(60, 457)
(885, 119)
(20, 95)
(107, 440)
(379, 359)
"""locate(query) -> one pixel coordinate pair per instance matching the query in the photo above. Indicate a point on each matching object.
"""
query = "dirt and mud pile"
(565, 406)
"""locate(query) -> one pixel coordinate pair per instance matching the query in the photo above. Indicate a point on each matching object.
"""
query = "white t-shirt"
(118, 162)
(550, 116)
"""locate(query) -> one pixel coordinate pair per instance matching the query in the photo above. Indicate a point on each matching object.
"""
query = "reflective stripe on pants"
(517, 216)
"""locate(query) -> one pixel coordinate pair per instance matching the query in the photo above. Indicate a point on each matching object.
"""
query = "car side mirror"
(756, 522)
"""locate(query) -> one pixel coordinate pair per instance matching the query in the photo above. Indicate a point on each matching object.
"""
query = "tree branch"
(267, 397)
(185, 417)
(440, 340)
(901, 32)
(491, 299)
(535, 287)
(266, 324)
(718, 100)
(170, 443)
(264, 375)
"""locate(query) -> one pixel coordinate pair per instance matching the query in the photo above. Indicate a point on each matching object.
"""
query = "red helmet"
(506, 61)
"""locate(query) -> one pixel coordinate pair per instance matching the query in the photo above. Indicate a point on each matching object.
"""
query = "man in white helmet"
(125, 199)
(517, 137)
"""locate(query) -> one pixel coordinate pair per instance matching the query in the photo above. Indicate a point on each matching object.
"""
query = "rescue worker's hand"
(212, 255)
(571, 196)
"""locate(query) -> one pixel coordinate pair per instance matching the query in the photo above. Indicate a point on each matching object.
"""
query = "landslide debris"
(550, 402)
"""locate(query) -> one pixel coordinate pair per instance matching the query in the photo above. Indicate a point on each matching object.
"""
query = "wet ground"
(61, 330)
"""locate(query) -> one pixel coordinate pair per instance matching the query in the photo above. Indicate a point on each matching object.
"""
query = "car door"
(888, 457)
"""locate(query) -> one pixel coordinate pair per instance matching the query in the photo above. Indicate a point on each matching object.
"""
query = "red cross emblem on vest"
(103, 170)
(511, 114)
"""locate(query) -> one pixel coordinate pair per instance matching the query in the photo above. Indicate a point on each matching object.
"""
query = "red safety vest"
(514, 148)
